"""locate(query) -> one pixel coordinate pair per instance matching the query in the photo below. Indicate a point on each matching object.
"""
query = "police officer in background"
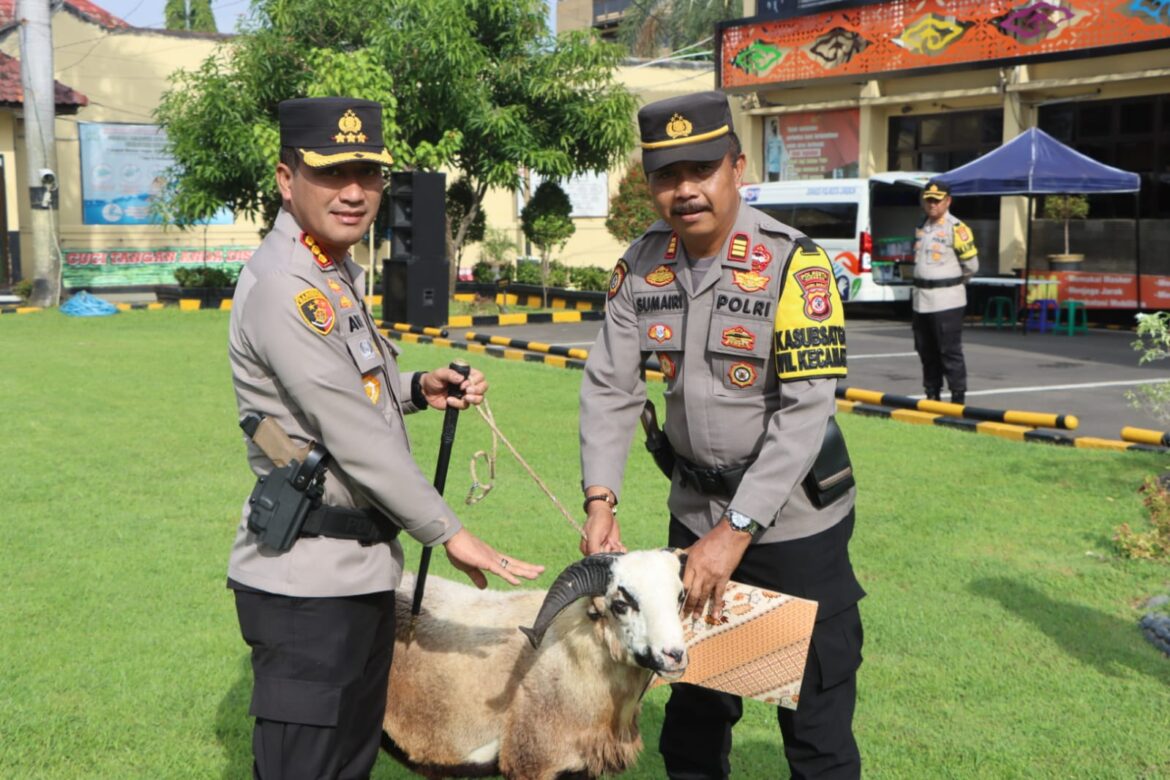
(306, 355)
(745, 319)
(944, 261)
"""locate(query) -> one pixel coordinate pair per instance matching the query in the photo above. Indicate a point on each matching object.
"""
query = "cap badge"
(351, 129)
(679, 127)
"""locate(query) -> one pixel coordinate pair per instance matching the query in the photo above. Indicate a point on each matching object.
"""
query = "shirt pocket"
(739, 350)
(662, 333)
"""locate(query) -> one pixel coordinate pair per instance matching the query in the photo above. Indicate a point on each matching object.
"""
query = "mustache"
(688, 208)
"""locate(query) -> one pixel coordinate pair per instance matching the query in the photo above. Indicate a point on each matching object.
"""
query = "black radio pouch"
(831, 474)
(283, 498)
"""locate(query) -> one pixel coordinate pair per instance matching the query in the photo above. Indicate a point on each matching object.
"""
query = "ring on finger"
(503, 563)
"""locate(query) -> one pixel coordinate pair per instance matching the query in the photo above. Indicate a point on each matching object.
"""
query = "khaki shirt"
(725, 405)
(305, 351)
(943, 250)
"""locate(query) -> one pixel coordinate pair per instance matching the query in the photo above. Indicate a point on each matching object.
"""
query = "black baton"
(450, 420)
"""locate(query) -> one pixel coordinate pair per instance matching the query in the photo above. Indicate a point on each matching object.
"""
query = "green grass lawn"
(1001, 637)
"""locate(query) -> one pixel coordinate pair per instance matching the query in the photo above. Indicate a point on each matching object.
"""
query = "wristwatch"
(741, 522)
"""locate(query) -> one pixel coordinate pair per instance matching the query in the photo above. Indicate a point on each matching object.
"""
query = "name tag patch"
(646, 304)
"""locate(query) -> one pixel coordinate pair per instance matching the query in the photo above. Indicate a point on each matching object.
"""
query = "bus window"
(818, 220)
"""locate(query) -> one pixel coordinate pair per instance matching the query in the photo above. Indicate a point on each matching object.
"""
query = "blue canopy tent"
(1034, 163)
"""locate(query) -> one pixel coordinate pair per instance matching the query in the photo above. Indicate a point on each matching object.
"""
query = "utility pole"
(40, 146)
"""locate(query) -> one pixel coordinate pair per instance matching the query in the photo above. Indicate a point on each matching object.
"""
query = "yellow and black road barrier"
(533, 346)
(536, 318)
(506, 353)
(1028, 419)
(1145, 436)
(403, 327)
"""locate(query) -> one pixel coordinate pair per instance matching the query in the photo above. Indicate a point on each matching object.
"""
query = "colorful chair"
(1075, 318)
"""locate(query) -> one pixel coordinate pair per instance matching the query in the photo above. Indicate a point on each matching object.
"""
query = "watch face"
(739, 521)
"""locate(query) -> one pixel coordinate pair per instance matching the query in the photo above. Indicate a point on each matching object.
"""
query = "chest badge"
(668, 366)
(373, 387)
(334, 286)
(749, 281)
(316, 310)
(660, 276)
(346, 302)
(814, 285)
(738, 337)
(660, 332)
(761, 258)
(742, 374)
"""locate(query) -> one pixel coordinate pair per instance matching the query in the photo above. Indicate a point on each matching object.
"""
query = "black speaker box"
(414, 279)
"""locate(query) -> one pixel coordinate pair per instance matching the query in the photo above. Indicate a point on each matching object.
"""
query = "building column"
(1013, 211)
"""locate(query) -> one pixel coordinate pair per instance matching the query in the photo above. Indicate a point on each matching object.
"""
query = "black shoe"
(958, 397)
(933, 395)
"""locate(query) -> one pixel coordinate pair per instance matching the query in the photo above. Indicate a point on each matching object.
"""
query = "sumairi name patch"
(810, 321)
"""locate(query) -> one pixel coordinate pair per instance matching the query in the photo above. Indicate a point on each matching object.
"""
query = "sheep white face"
(642, 608)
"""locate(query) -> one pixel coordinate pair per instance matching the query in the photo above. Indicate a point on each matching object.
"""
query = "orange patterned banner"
(909, 35)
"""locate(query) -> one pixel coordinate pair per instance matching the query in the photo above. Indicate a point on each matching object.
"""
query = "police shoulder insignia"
(660, 276)
(962, 233)
(320, 256)
(761, 258)
(617, 278)
(810, 323)
(316, 311)
(738, 249)
(671, 247)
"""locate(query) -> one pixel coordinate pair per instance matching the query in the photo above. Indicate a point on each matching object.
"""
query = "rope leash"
(478, 490)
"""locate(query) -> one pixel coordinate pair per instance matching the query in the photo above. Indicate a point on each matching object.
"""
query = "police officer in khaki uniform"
(305, 354)
(945, 259)
(746, 322)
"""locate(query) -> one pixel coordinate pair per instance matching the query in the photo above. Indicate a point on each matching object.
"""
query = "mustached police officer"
(945, 259)
(318, 385)
(745, 319)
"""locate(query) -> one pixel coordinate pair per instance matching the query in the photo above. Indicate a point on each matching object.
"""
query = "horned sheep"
(472, 696)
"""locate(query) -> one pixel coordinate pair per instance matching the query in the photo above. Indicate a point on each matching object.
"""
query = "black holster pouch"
(656, 442)
(283, 498)
(831, 474)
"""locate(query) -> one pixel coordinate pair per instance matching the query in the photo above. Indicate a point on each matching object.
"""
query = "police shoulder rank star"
(320, 257)
(809, 336)
(316, 311)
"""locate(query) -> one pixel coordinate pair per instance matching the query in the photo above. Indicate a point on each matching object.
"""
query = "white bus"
(866, 225)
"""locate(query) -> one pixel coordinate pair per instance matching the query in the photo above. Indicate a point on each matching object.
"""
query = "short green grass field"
(1001, 635)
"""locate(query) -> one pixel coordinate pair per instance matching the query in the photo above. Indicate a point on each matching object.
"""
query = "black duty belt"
(363, 525)
(930, 284)
(714, 482)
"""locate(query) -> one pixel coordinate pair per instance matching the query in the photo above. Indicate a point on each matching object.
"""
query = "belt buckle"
(712, 481)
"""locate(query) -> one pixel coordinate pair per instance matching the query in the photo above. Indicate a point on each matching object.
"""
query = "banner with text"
(145, 267)
(1110, 290)
(812, 145)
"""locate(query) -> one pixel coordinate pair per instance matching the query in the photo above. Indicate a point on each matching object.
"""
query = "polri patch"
(810, 321)
(316, 310)
(660, 276)
(660, 332)
(742, 374)
(738, 250)
(617, 278)
(667, 364)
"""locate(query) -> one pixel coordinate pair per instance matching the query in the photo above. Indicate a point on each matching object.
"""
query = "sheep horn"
(587, 577)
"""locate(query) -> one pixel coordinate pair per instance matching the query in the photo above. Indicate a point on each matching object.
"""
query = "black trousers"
(938, 339)
(818, 735)
(321, 667)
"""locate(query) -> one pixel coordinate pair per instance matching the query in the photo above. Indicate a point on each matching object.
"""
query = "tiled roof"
(12, 94)
(82, 8)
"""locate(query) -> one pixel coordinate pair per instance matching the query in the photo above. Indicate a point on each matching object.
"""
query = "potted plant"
(209, 285)
(1066, 208)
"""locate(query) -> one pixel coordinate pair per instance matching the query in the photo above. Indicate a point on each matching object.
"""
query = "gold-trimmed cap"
(333, 130)
(935, 190)
(695, 127)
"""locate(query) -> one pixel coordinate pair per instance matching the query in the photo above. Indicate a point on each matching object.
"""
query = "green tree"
(631, 209)
(478, 85)
(460, 200)
(651, 28)
(546, 222)
(193, 15)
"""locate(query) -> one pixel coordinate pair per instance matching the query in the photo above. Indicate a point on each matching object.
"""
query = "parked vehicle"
(866, 225)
